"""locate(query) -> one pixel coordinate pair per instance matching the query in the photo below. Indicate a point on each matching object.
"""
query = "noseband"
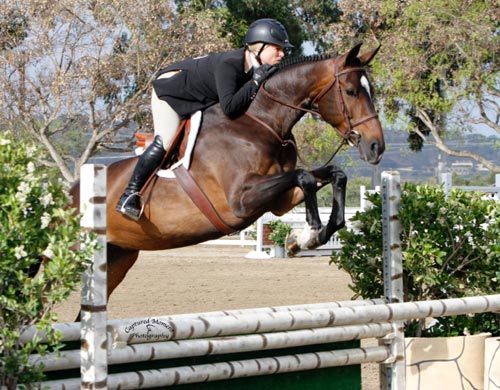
(351, 135)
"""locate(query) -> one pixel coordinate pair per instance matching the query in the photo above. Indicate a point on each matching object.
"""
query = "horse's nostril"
(376, 147)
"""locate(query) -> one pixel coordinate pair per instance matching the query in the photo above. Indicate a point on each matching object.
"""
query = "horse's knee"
(341, 176)
(306, 181)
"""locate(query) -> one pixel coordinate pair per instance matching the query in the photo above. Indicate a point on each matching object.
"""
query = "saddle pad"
(186, 159)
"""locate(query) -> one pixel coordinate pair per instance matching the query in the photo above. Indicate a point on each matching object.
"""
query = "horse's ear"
(368, 56)
(352, 55)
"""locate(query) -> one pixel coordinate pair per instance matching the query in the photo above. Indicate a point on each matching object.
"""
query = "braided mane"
(301, 59)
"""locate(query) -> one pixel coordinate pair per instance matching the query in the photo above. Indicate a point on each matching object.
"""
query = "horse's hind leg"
(119, 261)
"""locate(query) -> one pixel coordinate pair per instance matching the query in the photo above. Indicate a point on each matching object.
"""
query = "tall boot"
(130, 202)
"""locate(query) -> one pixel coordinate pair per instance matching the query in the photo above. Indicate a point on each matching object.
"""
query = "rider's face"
(272, 54)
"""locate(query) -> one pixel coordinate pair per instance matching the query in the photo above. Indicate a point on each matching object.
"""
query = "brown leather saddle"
(177, 147)
(175, 152)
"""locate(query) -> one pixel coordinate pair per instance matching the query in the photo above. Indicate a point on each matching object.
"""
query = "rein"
(351, 136)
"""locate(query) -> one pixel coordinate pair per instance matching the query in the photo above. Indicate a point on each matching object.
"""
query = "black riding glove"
(263, 72)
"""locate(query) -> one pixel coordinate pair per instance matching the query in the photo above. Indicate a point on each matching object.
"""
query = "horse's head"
(346, 103)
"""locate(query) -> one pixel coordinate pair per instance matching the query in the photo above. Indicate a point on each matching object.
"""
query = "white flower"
(19, 252)
(30, 150)
(48, 253)
(47, 200)
(24, 188)
(45, 220)
(31, 167)
(4, 141)
(22, 192)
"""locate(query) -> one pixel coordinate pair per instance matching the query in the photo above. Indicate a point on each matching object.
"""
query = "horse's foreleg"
(338, 179)
(272, 190)
(267, 192)
(310, 238)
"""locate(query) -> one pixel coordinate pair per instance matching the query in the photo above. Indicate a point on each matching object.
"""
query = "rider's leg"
(166, 121)
(130, 202)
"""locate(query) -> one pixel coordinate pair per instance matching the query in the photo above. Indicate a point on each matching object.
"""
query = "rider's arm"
(234, 97)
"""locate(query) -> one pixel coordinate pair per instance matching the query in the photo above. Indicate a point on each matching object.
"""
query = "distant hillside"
(416, 166)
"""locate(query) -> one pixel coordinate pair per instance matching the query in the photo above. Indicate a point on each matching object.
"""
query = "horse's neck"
(295, 86)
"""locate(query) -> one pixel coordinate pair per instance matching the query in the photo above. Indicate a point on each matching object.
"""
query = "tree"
(76, 76)
(438, 70)
(305, 20)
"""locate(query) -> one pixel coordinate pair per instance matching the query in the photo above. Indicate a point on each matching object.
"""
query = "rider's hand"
(263, 72)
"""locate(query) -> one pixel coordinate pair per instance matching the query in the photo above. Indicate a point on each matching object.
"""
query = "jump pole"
(203, 327)
(93, 350)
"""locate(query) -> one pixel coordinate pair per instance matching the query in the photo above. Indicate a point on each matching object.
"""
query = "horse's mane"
(290, 61)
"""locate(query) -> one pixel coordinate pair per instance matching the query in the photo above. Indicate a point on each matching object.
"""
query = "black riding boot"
(130, 202)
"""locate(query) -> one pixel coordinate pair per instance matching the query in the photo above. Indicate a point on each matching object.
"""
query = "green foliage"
(475, 180)
(304, 20)
(450, 245)
(438, 57)
(34, 223)
(279, 231)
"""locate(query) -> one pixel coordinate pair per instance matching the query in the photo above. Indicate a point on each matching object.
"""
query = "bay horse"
(247, 166)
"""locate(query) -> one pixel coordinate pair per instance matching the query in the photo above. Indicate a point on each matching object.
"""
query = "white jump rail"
(188, 328)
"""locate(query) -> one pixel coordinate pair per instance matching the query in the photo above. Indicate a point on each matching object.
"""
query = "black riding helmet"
(268, 31)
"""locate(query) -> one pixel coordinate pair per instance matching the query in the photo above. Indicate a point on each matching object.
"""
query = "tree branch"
(441, 145)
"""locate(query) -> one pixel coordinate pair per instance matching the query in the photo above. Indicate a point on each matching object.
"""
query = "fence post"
(93, 337)
(393, 376)
(258, 253)
(446, 179)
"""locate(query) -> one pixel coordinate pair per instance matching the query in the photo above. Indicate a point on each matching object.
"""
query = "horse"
(247, 166)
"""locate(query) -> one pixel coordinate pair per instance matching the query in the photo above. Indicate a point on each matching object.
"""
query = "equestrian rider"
(231, 78)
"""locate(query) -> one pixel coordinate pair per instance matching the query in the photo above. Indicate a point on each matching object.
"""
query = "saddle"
(176, 164)
(180, 149)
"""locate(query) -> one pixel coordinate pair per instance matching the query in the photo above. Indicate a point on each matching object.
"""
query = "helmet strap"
(260, 52)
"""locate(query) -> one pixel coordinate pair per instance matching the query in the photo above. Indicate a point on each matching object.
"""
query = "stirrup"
(128, 212)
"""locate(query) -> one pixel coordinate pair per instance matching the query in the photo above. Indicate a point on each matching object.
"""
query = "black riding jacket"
(204, 81)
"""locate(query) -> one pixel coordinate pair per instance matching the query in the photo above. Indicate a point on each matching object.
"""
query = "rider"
(231, 78)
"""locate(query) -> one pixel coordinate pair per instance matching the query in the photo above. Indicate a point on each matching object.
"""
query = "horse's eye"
(351, 92)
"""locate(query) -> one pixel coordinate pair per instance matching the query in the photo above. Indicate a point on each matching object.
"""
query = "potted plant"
(279, 231)
(450, 249)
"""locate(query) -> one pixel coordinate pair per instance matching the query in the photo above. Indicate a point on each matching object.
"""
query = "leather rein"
(351, 136)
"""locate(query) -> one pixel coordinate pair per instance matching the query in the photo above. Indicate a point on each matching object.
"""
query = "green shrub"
(279, 230)
(34, 222)
(450, 246)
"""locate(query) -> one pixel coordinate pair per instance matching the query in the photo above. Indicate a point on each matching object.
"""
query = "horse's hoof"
(297, 240)
(291, 245)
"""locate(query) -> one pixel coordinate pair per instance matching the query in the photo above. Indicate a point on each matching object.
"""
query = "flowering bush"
(35, 223)
(450, 246)
(279, 231)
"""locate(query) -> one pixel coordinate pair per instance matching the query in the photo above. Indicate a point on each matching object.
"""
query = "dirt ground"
(209, 278)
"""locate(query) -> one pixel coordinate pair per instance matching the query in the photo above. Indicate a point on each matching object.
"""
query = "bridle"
(350, 136)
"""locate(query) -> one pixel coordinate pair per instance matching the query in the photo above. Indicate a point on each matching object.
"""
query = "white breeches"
(165, 119)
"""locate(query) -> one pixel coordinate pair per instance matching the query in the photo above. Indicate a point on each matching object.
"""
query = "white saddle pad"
(186, 159)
